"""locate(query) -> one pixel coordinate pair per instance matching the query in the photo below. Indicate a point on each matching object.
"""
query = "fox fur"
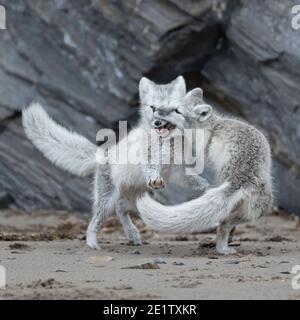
(116, 186)
(240, 155)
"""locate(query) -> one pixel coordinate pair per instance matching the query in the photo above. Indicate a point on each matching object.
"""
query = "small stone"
(122, 287)
(99, 259)
(262, 266)
(146, 265)
(159, 260)
(178, 263)
(132, 244)
(136, 252)
(18, 246)
(231, 262)
(278, 238)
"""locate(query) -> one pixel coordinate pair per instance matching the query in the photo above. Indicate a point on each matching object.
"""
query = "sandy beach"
(45, 257)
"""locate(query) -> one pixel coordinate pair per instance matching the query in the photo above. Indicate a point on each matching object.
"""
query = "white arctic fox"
(240, 155)
(116, 185)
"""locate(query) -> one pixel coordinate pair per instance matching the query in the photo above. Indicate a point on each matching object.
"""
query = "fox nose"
(157, 123)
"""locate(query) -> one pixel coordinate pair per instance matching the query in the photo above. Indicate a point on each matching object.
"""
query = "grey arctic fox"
(116, 186)
(240, 156)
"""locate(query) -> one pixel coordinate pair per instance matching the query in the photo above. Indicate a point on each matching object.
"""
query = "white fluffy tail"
(197, 215)
(68, 150)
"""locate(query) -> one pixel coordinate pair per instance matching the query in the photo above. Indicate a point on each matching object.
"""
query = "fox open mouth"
(164, 128)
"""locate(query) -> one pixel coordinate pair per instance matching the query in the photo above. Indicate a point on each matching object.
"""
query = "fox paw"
(226, 251)
(91, 241)
(157, 183)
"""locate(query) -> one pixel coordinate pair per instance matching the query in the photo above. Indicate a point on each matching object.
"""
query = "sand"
(45, 257)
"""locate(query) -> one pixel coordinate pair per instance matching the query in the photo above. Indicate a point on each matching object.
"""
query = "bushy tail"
(197, 215)
(68, 150)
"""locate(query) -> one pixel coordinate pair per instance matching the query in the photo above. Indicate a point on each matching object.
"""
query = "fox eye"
(177, 111)
(204, 113)
(153, 108)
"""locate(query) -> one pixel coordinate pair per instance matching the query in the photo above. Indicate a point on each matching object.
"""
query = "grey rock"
(178, 263)
(5, 200)
(136, 252)
(83, 61)
(257, 75)
(232, 262)
(159, 260)
(146, 265)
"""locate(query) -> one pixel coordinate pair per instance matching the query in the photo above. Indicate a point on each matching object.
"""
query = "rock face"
(258, 74)
(83, 60)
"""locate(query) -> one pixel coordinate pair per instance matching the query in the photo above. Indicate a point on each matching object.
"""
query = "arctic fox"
(240, 155)
(116, 185)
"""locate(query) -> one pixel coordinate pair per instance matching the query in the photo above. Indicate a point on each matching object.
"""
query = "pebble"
(146, 265)
(178, 263)
(99, 259)
(231, 262)
(135, 252)
(159, 260)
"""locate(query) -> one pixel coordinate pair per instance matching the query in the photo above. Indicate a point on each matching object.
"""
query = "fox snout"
(159, 123)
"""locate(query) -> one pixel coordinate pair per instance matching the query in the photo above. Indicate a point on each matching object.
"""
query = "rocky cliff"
(83, 59)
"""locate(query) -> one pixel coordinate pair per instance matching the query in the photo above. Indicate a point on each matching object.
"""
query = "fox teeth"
(167, 126)
(170, 126)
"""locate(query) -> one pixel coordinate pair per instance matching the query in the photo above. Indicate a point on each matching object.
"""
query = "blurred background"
(83, 60)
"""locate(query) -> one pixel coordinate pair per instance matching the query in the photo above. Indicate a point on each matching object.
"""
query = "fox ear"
(144, 87)
(195, 94)
(179, 86)
(204, 111)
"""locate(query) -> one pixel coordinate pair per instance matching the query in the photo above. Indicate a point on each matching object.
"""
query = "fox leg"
(97, 220)
(226, 228)
(153, 176)
(223, 235)
(131, 231)
(105, 199)
(100, 212)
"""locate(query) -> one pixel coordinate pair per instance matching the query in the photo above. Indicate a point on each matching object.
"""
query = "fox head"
(188, 112)
(155, 97)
